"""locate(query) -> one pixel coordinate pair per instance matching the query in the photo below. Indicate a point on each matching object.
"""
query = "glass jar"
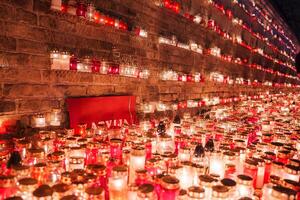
(116, 148)
(92, 151)
(219, 192)
(184, 154)
(73, 63)
(81, 9)
(55, 118)
(232, 186)
(195, 193)
(291, 172)
(207, 182)
(27, 186)
(137, 161)
(90, 13)
(216, 164)
(117, 183)
(39, 172)
(35, 155)
(282, 193)
(185, 175)
(146, 191)
(277, 168)
(250, 169)
(245, 186)
(170, 188)
(165, 145)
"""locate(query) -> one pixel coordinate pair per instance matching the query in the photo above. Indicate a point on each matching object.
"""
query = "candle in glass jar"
(216, 164)
(39, 121)
(170, 187)
(90, 12)
(56, 4)
(207, 182)
(146, 191)
(292, 172)
(137, 162)
(117, 183)
(244, 187)
(55, 118)
(185, 175)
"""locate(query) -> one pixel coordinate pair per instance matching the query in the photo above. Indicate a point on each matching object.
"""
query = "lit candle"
(117, 183)
(56, 4)
(244, 187)
(55, 118)
(39, 121)
(216, 164)
(170, 188)
(185, 175)
(137, 162)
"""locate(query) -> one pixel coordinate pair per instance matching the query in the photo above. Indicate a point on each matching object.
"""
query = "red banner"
(113, 110)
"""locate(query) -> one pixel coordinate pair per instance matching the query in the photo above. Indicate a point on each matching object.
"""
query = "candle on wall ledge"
(81, 10)
(56, 4)
(55, 59)
(73, 63)
(90, 13)
(55, 117)
(39, 121)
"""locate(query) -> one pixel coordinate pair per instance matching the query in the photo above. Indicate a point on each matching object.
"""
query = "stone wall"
(29, 30)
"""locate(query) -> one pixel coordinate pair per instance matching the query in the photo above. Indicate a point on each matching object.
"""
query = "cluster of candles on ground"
(243, 151)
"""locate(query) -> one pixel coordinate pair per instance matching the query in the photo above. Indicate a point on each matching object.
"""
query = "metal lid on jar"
(27, 181)
(138, 151)
(98, 169)
(283, 192)
(146, 191)
(94, 191)
(295, 162)
(291, 169)
(120, 170)
(244, 179)
(220, 191)
(170, 182)
(196, 192)
(43, 191)
(7, 181)
(228, 182)
(251, 164)
(60, 187)
(207, 180)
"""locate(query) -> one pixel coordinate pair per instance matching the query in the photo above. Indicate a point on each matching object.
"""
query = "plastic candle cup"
(55, 118)
(81, 10)
(39, 121)
(220, 192)
(117, 183)
(137, 162)
(90, 13)
(231, 185)
(216, 164)
(292, 172)
(96, 64)
(207, 182)
(73, 63)
(250, 169)
(94, 192)
(245, 186)
(185, 175)
(116, 148)
(170, 188)
(195, 192)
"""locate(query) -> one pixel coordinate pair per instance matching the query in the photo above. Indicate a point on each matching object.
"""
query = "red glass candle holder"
(73, 63)
(250, 169)
(170, 188)
(96, 66)
(81, 10)
(64, 7)
(116, 149)
(109, 21)
(114, 69)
